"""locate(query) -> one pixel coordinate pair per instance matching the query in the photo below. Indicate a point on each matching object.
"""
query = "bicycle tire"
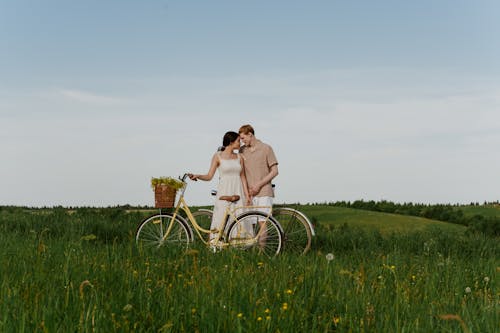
(150, 232)
(297, 229)
(243, 231)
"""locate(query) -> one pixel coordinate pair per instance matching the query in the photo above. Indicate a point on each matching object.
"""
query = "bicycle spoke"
(296, 229)
(256, 232)
(152, 232)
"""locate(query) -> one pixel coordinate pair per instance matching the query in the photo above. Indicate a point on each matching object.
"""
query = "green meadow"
(78, 270)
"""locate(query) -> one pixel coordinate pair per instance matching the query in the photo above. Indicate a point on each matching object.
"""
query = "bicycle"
(250, 230)
(298, 231)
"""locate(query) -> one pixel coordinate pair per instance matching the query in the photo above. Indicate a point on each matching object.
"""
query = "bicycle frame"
(229, 215)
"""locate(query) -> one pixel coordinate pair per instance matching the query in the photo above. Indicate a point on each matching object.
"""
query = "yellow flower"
(336, 320)
(128, 308)
(285, 306)
(240, 315)
(259, 318)
(193, 310)
(267, 310)
(289, 291)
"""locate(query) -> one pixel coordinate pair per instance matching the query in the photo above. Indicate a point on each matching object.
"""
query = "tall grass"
(78, 272)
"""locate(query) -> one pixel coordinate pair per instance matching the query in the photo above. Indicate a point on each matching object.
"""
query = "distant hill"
(490, 210)
(386, 223)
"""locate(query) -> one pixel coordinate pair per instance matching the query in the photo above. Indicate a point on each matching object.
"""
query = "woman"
(232, 189)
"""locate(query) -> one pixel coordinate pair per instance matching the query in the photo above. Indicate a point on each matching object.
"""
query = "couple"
(244, 178)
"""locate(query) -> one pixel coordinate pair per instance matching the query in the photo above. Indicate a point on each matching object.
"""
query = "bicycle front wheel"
(162, 229)
(297, 229)
(255, 231)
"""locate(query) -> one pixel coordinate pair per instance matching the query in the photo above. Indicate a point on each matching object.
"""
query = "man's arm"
(273, 172)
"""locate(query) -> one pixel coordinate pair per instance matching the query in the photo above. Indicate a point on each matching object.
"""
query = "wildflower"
(127, 308)
(468, 290)
(193, 310)
(289, 291)
(336, 320)
(330, 257)
(486, 279)
(240, 315)
(259, 318)
(82, 286)
(268, 318)
(285, 306)
(267, 310)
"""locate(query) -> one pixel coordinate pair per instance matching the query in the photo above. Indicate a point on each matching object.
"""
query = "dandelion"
(285, 306)
(289, 291)
(336, 320)
(193, 310)
(267, 310)
(330, 257)
(468, 290)
(259, 318)
(486, 279)
(268, 318)
(240, 315)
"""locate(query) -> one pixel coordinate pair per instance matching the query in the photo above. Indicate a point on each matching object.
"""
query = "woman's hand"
(193, 177)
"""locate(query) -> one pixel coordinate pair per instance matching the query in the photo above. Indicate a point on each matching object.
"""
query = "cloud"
(90, 98)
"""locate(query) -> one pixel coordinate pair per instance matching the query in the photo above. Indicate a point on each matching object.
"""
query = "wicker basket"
(164, 196)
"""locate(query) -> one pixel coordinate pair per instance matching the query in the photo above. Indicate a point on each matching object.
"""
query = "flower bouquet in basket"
(165, 189)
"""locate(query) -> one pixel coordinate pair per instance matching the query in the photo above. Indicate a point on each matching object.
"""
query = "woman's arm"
(211, 172)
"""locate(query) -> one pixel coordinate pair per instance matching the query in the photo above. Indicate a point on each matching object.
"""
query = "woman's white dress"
(229, 184)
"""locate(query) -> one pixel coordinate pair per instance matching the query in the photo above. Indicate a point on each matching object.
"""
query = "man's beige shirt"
(259, 159)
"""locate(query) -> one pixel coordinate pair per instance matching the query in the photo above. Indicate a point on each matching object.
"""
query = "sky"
(360, 100)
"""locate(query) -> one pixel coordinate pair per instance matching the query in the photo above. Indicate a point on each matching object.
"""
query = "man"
(261, 166)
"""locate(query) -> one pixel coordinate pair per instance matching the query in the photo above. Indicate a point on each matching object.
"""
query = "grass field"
(367, 272)
(329, 217)
(483, 210)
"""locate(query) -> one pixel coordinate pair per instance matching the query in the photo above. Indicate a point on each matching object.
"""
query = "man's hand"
(253, 190)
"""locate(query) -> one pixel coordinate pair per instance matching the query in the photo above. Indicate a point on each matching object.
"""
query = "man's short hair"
(245, 129)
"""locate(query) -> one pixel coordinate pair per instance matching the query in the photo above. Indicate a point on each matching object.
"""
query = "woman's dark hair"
(229, 138)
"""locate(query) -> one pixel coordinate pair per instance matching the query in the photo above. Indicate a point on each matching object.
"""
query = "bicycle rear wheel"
(255, 231)
(297, 229)
(152, 232)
